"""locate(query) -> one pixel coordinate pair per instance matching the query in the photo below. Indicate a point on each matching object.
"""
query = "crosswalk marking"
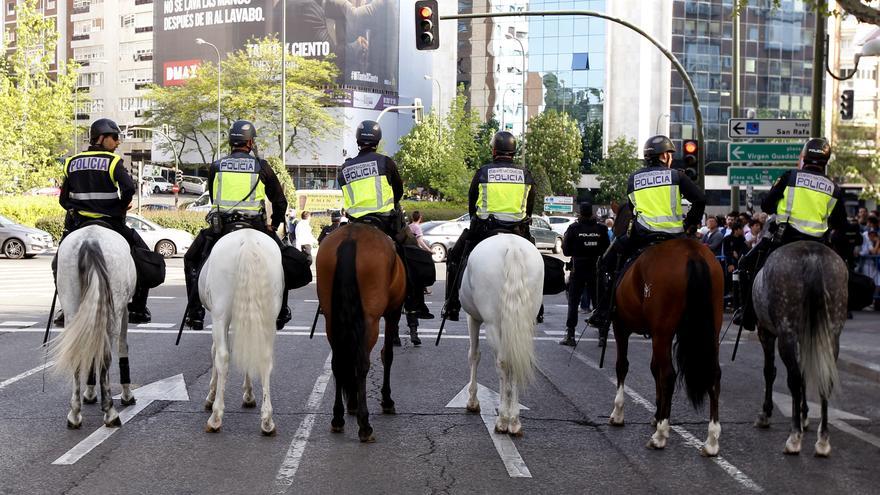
(19, 324)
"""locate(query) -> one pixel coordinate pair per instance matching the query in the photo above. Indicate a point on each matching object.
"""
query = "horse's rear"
(502, 287)
(800, 297)
(360, 280)
(96, 278)
(673, 292)
(241, 284)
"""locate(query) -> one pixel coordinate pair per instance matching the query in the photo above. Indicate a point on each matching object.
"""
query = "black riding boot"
(601, 316)
(453, 305)
(137, 310)
(195, 313)
(748, 268)
(284, 315)
(569, 338)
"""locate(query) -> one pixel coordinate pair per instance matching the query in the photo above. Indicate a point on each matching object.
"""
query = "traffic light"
(689, 151)
(427, 25)
(847, 100)
(178, 176)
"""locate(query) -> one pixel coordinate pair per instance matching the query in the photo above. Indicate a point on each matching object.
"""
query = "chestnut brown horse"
(673, 292)
(360, 279)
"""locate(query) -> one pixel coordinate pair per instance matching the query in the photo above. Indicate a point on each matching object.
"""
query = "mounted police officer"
(371, 193)
(239, 185)
(97, 188)
(807, 204)
(654, 192)
(585, 241)
(501, 198)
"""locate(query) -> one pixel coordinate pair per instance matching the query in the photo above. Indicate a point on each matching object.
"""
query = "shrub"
(53, 224)
(189, 221)
(27, 210)
(435, 210)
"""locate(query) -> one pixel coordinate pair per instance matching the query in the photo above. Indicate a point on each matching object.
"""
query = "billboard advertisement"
(360, 36)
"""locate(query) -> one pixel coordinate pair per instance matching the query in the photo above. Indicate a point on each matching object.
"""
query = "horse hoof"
(516, 434)
(615, 422)
(762, 422)
(270, 433)
(367, 436)
(128, 402)
(707, 451)
(653, 422)
(209, 405)
(211, 429)
(249, 404)
(655, 445)
(473, 408)
(501, 429)
(114, 423)
(389, 409)
(337, 429)
(73, 426)
(90, 400)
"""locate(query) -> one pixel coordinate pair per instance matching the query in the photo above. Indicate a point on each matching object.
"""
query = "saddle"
(150, 266)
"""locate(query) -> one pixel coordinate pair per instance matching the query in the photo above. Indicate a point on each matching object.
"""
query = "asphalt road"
(427, 447)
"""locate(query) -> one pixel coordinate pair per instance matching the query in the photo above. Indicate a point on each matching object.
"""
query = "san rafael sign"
(763, 152)
(754, 176)
(768, 128)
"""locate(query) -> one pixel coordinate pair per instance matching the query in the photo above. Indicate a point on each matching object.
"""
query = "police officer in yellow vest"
(655, 193)
(501, 197)
(97, 187)
(239, 185)
(807, 204)
(371, 193)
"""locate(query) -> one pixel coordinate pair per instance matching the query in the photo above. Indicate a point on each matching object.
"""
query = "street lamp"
(200, 41)
(525, 102)
(503, 105)
(439, 94)
(173, 152)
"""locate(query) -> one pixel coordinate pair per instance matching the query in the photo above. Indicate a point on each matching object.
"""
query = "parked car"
(45, 191)
(20, 241)
(441, 236)
(467, 218)
(193, 185)
(158, 207)
(157, 184)
(545, 237)
(166, 242)
(560, 224)
(203, 203)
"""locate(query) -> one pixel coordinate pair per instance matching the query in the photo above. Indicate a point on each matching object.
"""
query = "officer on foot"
(371, 192)
(806, 204)
(247, 182)
(335, 217)
(585, 241)
(97, 187)
(501, 197)
(656, 218)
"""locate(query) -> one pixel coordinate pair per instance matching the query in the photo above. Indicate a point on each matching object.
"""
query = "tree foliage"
(37, 105)
(855, 159)
(614, 171)
(592, 145)
(553, 147)
(864, 10)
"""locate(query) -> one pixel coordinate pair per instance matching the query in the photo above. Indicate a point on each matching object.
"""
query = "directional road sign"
(768, 128)
(561, 200)
(754, 176)
(763, 152)
(558, 208)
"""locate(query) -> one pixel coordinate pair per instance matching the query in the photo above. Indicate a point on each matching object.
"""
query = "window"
(132, 104)
(10, 8)
(580, 61)
(126, 21)
(89, 79)
(86, 53)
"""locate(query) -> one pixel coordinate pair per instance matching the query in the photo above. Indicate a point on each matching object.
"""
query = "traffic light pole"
(701, 154)
(173, 152)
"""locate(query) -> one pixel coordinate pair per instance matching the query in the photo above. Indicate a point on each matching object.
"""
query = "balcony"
(139, 86)
(143, 29)
(143, 2)
(82, 116)
(141, 57)
(79, 37)
(83, 9)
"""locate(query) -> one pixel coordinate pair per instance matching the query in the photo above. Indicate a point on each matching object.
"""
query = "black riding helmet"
(101, 127)
(241, 132)
(503, 144)
(656, 146)
(816, 153)
(368, 133)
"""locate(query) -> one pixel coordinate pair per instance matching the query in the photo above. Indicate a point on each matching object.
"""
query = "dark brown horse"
(360, 279)
(673, 291)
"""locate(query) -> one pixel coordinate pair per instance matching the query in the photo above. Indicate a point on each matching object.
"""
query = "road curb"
(860, 367)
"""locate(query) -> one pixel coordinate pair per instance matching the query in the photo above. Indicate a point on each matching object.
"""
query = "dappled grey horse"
(800, 298)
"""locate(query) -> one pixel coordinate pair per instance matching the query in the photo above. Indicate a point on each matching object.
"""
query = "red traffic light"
(425, 12)
(690, 147)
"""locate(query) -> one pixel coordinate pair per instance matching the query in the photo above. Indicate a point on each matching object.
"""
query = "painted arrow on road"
(171, 388)
(489, 402)
(836, 417)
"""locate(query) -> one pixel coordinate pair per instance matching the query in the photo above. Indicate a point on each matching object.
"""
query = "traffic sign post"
(754, 176)
(558, 208)
(559, 204)
(763, 152)
(768, 128)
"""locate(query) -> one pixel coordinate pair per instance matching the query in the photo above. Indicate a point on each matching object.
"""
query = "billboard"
(362, 36)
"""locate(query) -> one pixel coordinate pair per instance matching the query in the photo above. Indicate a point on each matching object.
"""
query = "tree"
(614, 171)
(860, 9)
(37, 106)
(592, 145)
(553, 144)
(483, 139)
(855, 159)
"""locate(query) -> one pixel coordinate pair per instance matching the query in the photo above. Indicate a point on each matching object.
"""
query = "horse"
(502, 287)
(673, 291)
(800, 298)
(96, 278)
(360, 279)
(241, 285)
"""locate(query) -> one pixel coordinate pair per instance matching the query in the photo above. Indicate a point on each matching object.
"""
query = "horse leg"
(248, 400)
(768, 343)
(221, 365)
(473, 403)
(128, 398)
(337, 424)
(711, 446)
(621, 338)
(502, 423)
(111, 417)
(823, 443)
(788, 353)
(365, 431)
(392, 328)
(212, 386)
(74, 416)
(515, 427)
(90, 396)
(267, 425)
(805, 418)
(664, 378)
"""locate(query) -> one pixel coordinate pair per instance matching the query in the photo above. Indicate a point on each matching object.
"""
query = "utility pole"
(735, 110)
(818, 73)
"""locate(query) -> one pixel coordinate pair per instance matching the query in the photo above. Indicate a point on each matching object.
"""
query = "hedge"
(27, 210)
(435, 210)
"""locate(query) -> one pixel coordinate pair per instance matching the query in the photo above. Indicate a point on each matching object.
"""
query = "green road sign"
(754, 176)
(558, 208)
(763, 152)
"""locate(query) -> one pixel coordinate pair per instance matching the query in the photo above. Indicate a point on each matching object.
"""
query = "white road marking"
(862, 435)
(836, 417)
(287, 471)
(162, 297)
(691, 440)
(24, 324)
(513, 462)
(171, 388)
(10, 381)
(156, 325)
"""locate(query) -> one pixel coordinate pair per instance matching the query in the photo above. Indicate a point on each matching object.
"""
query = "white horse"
(502, 286)
(241, 285)
(96, 278)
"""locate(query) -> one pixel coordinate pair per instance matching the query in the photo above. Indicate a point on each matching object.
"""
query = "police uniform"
(371, 190)
(585, 241)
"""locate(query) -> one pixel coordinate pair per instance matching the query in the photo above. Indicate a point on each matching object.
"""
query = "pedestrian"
(585, 241)
(335, 218)
(304, 237)
(713, 237)
(753, 235)
(415, 226)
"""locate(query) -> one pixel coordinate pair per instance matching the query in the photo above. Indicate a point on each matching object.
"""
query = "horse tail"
(85, 342)
(348, 331)
(251, 319)
(696, 351)
(516, 330)
(816, 333)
